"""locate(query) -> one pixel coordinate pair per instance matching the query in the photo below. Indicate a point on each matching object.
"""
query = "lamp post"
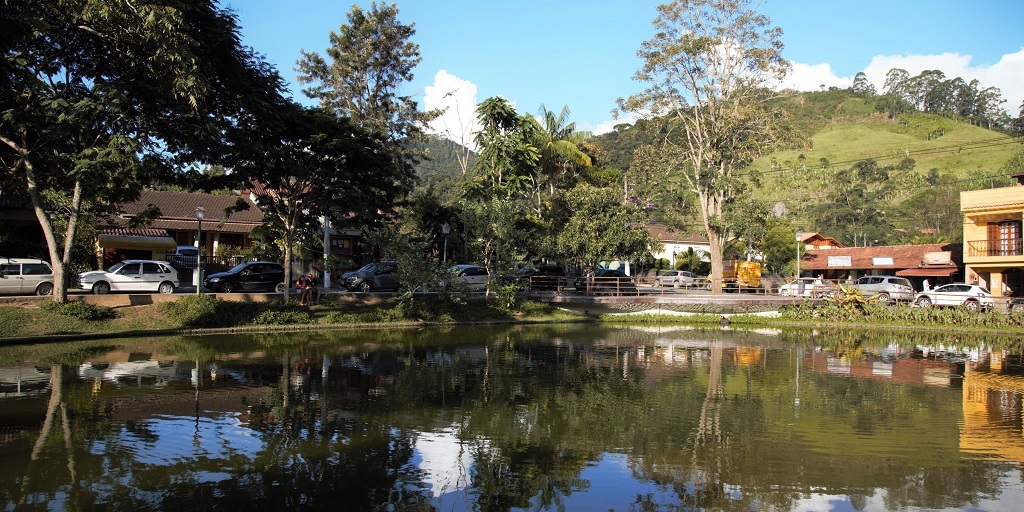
(800, 290)
(200, 212)
(445, 228)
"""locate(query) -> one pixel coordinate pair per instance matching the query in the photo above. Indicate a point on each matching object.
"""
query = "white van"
(25, 276)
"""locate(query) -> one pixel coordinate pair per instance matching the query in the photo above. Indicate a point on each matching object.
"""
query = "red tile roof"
(178, 211)
(903, 256)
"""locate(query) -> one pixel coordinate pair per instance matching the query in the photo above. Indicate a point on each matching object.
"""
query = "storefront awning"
(152, 243)
(927, 272)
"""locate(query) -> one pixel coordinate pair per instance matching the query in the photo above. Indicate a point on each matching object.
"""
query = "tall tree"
(97, 96)
(314, 164)
(709, 66)
(366, 65)
(558, 143)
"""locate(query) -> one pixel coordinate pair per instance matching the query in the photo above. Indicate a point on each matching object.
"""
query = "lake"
(562, 417)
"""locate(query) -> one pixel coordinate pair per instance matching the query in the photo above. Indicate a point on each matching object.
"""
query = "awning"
(152, 243)
(927, 272)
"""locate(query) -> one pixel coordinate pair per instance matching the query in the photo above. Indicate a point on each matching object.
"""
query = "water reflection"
(577, 418)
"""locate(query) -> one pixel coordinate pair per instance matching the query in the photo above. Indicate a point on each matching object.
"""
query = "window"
(131, 269)
(151, 268)
(36, 269)
(1009, 237)
(10, 269)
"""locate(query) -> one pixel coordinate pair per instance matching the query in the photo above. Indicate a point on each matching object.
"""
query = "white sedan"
(808, 287)
(133, 276)
(970, 296)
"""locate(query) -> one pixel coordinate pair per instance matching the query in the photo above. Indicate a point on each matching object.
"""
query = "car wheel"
(971, 305)
(166, 288)
(279, 288)
(924, 302)
(44, 289)
(365, 287)
(1018, 308)
(676, 284)
(884, 298)
(101, 288)
(227, 288)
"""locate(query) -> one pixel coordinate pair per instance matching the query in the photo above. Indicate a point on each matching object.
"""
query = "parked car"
(24, 276)
(886, 288)
(131, 276)
(380, 275)
(253, 276)
(607, 281)
(1016, 305)
(970, 296)
(808, 287)
(475, 277)
(676, 278)
(184, 257)
(541, 277)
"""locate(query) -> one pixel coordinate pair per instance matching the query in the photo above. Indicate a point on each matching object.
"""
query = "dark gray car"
(381, 275)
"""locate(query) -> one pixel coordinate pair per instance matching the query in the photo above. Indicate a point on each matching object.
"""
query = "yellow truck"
(739, 275)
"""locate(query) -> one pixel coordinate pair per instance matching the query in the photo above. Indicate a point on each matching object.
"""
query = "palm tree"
(558, 143)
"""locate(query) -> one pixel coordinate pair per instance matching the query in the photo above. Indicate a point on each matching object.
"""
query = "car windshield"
(237, 268)
(115, 267)
(367, 268)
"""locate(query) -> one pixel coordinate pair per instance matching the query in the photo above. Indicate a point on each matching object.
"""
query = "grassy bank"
(81, 320)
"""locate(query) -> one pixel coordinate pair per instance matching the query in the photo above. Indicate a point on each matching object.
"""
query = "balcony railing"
(999, 247)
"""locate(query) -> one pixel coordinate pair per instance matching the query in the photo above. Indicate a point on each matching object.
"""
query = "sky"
(582, 53)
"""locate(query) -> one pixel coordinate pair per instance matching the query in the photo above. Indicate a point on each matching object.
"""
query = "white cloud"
(457, 98)
(812, 77)
(609, 125)
(1007, 75)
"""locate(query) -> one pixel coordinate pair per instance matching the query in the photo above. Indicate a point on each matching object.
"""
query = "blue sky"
(583, 53)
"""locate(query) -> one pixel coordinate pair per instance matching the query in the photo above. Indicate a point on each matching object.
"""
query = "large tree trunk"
(711, 208)
(60, 257)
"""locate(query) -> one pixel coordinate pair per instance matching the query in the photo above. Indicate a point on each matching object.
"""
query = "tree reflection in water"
(549, 419)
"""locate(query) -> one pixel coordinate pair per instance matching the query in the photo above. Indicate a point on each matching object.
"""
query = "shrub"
(283, 317)
(78, 309)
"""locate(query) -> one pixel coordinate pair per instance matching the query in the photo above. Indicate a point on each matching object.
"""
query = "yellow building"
(992, 238)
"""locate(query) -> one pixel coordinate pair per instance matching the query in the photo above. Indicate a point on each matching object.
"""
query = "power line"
(980, 144)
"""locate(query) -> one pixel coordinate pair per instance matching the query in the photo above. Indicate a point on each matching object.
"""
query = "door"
(251, 278)
(152, 276)
(384, 278)
(127, 279)
(33, 274)
(10, 278)
(272, 274)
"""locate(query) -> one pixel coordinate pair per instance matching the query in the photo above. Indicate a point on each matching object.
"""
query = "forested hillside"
(862, 173)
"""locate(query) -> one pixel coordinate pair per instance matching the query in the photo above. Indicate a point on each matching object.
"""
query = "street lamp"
(200, 212)
(445, 228)
(799, 285)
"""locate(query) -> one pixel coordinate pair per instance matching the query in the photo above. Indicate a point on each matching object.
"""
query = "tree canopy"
(100, 97)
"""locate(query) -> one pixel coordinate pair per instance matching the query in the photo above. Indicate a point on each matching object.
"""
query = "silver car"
(475, 277)
(675, 278)
(25, 276)
(886, 288)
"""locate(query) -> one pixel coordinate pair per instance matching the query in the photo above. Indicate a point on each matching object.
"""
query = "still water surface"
(548, 418)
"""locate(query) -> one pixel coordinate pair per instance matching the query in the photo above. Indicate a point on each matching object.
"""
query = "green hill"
(841, 133)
